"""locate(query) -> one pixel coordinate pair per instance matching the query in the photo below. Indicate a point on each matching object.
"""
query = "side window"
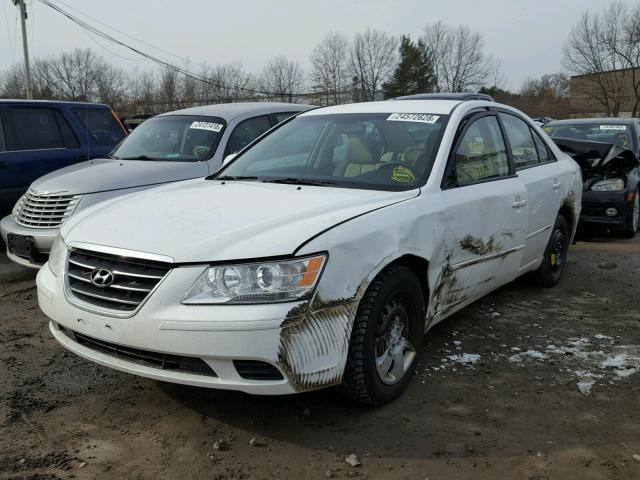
(481, 154)
(2, 144)
(100, 125)
(68, 138)
(35, 129)
(246, 132)
(523, 148)
(282, 116)
(541, 147)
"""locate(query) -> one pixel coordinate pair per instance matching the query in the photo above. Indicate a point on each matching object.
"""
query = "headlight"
(609, 185)
(14, 212)
(263, 282)
(57, 255)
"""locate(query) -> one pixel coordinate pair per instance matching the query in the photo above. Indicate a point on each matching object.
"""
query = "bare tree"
(168, 89)
(330, 67)
(460, 63)
(601, 46)
(282, 77)
(550, 84)
(372, 60)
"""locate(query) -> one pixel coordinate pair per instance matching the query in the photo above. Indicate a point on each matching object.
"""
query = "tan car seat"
(358, 160)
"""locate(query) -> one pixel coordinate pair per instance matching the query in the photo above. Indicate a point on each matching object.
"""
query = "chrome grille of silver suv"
(131, 281)
(44, 210)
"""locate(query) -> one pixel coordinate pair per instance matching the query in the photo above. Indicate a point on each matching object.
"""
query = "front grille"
(43, 210)
(256, 370)
(133, 279)
(177, 363)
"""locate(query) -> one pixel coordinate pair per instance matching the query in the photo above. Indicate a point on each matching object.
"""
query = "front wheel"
(631, 224)
(554, 261)
(386, 339)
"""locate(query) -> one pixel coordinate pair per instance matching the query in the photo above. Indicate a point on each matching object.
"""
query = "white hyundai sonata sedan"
(321, 254)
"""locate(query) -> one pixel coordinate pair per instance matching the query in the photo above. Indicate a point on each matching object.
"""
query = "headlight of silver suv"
(57, 255)
(609, 185)
(260, 282)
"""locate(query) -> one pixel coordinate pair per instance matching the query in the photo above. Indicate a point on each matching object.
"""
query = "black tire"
(394, 286)
(631, 222)
(554, 261)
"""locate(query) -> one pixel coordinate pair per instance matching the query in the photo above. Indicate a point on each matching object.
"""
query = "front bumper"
(595, 204)
(218, 335)
(42, 240)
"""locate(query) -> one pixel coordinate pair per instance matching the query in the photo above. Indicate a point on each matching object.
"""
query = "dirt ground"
(528, 383)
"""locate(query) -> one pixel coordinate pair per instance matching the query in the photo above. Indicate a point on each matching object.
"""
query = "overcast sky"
(526, 36)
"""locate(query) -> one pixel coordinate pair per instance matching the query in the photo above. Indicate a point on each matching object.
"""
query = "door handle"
(82, 157)
(556, 184)
(519, 204)
(3, 166)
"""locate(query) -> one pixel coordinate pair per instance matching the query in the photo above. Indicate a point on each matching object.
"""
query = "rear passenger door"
(536, 166)
(98, 128)
(485, 212)
(38, 140)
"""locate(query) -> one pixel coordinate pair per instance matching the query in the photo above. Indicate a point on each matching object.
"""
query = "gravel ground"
(527, 383)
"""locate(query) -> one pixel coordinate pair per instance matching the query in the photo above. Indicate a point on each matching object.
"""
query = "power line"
(90, 28)
(129, 36)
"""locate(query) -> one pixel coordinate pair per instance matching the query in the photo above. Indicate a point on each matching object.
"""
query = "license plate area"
(20, 245)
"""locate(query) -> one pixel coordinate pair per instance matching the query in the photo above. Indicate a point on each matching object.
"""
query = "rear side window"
(543, 151)
(38, 129)
(523, 148)
(482, 154)
(246, 132)
(100, 125)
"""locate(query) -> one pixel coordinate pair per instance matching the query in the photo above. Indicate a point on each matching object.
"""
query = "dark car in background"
(38, 137)
(608, 152)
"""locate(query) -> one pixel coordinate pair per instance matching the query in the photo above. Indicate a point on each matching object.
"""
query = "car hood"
(105, 174)
(595, 156)
(209, 220)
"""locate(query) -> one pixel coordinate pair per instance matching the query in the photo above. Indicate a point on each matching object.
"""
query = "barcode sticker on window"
(214, 127)
(413, 117)
(613, 127)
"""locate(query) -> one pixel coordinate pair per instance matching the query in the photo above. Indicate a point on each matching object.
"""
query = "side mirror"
(228, 158)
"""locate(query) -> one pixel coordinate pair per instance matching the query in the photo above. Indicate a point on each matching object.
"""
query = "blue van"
(38, 136)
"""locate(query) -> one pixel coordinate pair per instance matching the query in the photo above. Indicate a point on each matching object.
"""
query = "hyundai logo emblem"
(101, 277)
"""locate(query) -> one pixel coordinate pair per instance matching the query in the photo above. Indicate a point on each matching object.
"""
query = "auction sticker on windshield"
(413, 117)
(613, 127)
(214, 127)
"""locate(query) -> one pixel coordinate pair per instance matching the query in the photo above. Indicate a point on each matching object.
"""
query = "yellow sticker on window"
(403, 175)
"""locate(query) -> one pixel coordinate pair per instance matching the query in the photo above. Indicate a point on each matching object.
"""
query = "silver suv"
(174, 146)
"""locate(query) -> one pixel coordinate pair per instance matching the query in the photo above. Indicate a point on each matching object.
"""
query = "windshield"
(616, 134)
(381, 151)
(174, 138)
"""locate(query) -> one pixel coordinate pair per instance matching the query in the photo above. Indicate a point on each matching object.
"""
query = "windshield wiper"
(300, 181)
(139, 157)
(232, 177)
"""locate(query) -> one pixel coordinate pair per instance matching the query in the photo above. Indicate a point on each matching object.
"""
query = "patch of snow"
(464, 358)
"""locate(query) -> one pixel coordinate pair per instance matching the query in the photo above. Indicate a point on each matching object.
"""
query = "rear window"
(100, 125)
(604, 132)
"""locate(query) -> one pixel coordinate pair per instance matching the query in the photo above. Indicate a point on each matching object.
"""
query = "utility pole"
(25, 48)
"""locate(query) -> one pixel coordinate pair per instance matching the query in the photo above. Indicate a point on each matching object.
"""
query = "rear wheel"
(386, 338)
(554, 261)
(633, 217)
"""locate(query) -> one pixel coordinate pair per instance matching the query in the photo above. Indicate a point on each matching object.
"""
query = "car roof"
(229, 111)
(439, 107)
(596, 121)
(53, 102)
